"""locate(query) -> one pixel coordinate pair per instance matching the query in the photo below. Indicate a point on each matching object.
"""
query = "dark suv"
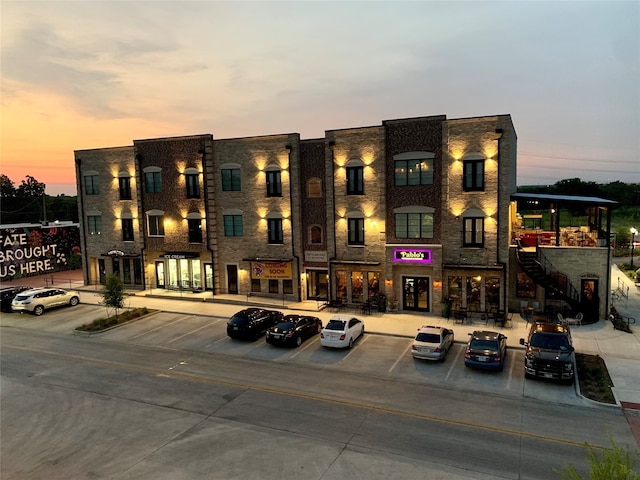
(7, 294)
(252, 322)
(549, 352)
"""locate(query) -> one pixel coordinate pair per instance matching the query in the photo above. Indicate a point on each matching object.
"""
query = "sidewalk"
(620, 350)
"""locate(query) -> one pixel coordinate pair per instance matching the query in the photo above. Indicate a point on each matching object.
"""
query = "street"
(169, 396)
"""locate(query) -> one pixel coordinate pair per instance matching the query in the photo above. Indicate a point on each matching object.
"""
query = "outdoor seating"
(577, 320)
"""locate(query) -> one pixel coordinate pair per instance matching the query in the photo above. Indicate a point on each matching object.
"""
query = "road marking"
(307, 344)
(453, 364)
(277, 391)
(161, 326)
(194, 331)
(512, 365)
(401, 356)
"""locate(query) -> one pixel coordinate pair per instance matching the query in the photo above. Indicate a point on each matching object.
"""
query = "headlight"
(567, 367)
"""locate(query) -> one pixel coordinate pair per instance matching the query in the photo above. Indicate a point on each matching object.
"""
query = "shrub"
(104, 323)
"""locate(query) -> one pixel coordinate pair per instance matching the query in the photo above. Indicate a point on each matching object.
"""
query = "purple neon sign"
(410, 255)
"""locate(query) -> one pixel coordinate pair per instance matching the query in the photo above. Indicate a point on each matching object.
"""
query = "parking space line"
(360, 341)
(194, 331)
(453, 364)
(512, 365)
(308, 343)
(401, 356)
(161, 326)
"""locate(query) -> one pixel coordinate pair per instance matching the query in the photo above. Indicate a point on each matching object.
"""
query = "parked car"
(252, 322)
(432, 343)
(549, 352)
(7, 294)
(37, 300)
(486, 350)
(294, 329)
(341, 331)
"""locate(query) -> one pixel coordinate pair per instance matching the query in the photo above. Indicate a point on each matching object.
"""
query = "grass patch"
(124, 317)
(594, 379)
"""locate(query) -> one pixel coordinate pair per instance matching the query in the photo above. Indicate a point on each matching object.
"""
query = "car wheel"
(74, 301)
(527, 375)
(298, 341)
(38, 310)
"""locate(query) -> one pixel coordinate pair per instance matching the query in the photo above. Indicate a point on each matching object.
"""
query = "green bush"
(612, 464)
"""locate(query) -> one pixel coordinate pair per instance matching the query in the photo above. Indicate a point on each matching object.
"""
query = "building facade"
(411, 214)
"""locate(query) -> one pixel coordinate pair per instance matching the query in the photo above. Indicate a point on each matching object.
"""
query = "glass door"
(415, 293)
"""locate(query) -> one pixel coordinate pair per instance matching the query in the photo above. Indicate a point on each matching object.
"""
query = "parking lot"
(373, 355)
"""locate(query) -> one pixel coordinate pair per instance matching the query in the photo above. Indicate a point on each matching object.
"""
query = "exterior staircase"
(530, 264)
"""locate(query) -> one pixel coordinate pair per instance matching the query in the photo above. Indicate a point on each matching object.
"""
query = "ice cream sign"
(411, 255)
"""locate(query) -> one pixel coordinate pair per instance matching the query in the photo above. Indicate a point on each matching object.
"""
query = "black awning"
(268, 260)
(354, 262)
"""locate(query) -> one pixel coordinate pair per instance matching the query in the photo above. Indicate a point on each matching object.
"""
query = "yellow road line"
(392, 411)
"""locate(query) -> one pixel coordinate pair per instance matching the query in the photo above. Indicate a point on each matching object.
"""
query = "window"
(156, 223)
(91, 184)
(473, 232)
(356, 231)
(127, 230)
(355, 182)
(94, 224)
(314, 188)
(414, 225)
(275, 230)
(274, 286)
(233, 225)
(315, 234)
(231, 179)
(255, 285)
(192, 180)
(124, 186)
(473, 175)
(195, 230)
(153, 179)
(414, 172)
(274, 183)
(287, 287)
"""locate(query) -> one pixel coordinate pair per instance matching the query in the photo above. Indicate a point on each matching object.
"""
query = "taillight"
(437, 350)
(467, 353)
(343, 336)
(321, 335)
(413, 347)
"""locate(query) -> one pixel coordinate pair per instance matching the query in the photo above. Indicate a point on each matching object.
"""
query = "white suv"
(37, 300)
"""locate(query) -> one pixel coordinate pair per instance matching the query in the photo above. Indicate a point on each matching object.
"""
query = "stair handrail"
(549, 269)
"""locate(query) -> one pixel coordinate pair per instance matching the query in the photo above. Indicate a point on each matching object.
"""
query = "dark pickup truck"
(549, 352)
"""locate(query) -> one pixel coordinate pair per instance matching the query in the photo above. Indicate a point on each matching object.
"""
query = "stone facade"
(341, 222)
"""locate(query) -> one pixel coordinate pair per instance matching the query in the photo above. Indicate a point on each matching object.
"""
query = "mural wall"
(27, 250)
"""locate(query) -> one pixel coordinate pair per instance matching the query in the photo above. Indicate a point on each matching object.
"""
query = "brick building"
(408, 213)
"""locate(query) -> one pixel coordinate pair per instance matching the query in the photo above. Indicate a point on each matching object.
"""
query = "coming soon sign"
(271, 270)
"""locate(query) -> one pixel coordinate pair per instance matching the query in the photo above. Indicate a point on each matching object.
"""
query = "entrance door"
(589, 299)
(317, 287)
(160, 274)
(415, 293)
(232, 279)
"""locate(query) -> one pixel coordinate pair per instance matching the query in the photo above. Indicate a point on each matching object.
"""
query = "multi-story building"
(412, 213)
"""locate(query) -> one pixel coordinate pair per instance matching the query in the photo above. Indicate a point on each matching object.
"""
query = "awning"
(353, 262)
(267, 260)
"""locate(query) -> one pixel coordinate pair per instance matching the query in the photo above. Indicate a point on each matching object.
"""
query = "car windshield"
(550, 342)
(21, 297)
(428, 337)
(335, 325)
(484, 344)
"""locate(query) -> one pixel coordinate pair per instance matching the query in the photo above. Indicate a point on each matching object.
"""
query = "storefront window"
(373, 287)
(455, 292)
(273, 286)
(525, 287)
(474, 287)
(357, 284)
(341, 285)
(287, 287)
(255, 285)
(492, 294)
(197, 276)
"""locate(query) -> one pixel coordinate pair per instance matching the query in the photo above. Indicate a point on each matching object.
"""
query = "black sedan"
(250, 323)
(7, 294)
(294, 329)
(486, 350)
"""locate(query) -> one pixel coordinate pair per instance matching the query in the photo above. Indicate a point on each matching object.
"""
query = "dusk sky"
(82, 75)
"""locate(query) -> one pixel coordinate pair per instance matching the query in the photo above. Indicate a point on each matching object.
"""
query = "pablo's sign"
(411, 255)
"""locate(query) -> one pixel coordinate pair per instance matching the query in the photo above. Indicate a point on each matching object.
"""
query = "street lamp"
(633, 237)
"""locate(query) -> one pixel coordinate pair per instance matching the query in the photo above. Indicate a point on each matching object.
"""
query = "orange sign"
(271, 270)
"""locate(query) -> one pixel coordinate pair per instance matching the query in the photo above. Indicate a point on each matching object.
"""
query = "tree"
(31, 188)
(7, 187)
(112, 293)
(614, 464)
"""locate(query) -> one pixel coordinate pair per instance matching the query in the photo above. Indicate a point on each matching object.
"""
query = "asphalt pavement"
(620, 350)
